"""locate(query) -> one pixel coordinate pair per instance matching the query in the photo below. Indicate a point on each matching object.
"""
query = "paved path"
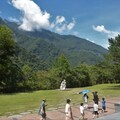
(60, 115)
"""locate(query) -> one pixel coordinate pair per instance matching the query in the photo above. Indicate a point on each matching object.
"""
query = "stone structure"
(63, 85)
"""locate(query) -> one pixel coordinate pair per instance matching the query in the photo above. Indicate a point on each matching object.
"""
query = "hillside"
(48, 45)
(76, 49)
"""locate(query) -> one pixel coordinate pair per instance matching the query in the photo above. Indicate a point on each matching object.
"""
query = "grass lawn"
(21, 102)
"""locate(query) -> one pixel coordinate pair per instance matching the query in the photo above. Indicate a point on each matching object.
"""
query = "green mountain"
(47, 45)
(23, 57)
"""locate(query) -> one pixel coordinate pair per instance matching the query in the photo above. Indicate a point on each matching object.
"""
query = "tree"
(7, 44)
(62, 64)
(83, 75)
(114, 52)
(10, 73)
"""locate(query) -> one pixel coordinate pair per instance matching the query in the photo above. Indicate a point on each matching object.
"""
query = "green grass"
(21, 102)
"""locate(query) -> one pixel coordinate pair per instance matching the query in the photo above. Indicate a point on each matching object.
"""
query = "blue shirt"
(103, 103)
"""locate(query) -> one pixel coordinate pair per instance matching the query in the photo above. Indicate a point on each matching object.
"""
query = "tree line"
(20, 78)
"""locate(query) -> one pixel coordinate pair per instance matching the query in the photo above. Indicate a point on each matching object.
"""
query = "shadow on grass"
(14, 93)
(115, 87)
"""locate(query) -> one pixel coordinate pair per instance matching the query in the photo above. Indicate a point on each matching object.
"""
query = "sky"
(94, 20)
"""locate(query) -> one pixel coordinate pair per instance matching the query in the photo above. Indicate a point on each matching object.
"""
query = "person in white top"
(85, 97)
(95, 110)
(82, 111)
(68, 110)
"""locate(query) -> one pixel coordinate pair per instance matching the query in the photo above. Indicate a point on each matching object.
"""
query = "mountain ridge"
(48, 45)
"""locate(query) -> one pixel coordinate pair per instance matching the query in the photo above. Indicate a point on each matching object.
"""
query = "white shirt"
(67, 108)
(81, 109)
(85, 99)
(95, 107)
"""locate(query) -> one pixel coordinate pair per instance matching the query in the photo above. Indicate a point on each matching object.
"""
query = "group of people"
(95, 105)
(83, 106)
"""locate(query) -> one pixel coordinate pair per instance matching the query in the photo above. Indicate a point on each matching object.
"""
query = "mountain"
(47, 45)
(23, 57)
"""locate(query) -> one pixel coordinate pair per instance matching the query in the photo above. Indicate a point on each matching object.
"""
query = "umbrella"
(84, 92)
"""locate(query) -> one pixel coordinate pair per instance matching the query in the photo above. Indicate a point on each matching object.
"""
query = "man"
(95, 97)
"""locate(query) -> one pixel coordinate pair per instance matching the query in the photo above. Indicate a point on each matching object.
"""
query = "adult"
(95, 97)
(42, 110)
(68, 110)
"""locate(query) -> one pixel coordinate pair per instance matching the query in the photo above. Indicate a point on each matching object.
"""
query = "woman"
(68, 110)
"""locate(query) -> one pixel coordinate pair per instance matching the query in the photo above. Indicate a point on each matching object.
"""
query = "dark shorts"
(103, 107)
(44, 115)
(96, 112)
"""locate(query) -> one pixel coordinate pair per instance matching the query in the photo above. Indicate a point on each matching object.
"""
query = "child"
(103, 105)
(85, 97)
(68, 110)
(95, 110)
(82, 111)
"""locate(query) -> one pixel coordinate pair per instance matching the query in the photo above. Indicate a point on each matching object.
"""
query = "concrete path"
(59, 114)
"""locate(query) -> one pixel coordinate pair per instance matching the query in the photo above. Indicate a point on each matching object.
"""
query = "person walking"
(42, 110)
(95, 110)
(85, 98)
(103, 105)
(95, 97)
(68, 110)
(82, 112)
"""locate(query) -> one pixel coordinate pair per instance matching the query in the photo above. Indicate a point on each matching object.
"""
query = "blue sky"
(94, 20)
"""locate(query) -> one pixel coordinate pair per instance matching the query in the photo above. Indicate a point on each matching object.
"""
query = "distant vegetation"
(29, 68)
(47, 46)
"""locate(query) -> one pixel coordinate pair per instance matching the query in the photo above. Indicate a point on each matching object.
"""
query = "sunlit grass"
(22, 102)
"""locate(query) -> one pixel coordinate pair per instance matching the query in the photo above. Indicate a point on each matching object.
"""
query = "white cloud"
(13, 19)
(76, 33)
(71, 25)
(60, 19)
(61, 24)
(60, 29)
(33, 17)
(102, 29)
(92, 41)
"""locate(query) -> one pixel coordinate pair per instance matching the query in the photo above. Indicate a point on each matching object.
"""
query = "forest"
(21, 71)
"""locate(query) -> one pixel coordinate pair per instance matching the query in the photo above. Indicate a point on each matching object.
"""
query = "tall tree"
(10, 73)
(114, 51)
(6, 44)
